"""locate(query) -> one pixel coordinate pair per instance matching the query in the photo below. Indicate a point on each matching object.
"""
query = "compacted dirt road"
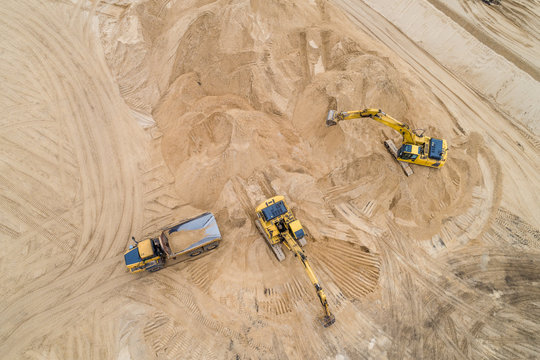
(122, 117)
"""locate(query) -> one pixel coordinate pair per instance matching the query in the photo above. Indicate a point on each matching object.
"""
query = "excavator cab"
(409, 152)
(432, 153)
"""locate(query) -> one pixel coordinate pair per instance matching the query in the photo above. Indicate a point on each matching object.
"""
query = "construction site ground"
(123, 117)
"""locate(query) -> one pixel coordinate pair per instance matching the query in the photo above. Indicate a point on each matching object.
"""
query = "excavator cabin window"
(274, 210)
(405, 153)
(407, 156)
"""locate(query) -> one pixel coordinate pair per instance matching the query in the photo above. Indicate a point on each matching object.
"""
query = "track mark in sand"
(297, 290)
(510, 227)
(240, 189)
(369, 208)
(353, 270)
(282, 299)
(453, 306)
(252, 191)
(285, 298)
(169, 339)
(486, 35)
(177, 296)
(460, 229)
(199, 274)
(72, 176)
(266, 186)
(500, 284)
(275, 303)
(357, 218)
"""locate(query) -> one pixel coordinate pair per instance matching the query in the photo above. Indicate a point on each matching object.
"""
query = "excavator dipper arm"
(334, 117)
(329, 318)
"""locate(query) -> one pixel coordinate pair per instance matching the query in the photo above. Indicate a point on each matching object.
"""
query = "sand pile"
(242, 108)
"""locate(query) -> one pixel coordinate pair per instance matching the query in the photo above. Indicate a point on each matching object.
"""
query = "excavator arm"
(409, 137)
(329, 318)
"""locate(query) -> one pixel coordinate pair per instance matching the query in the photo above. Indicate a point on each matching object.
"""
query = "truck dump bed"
(204, 227)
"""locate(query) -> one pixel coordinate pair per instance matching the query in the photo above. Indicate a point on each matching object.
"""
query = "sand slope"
(123, 118)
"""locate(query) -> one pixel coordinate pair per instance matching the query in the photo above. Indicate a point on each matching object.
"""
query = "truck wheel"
(211, 246)
(195, 253)
(155, 268)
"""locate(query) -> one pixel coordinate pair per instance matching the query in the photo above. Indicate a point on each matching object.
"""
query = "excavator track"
(392, 149)
(276, 248)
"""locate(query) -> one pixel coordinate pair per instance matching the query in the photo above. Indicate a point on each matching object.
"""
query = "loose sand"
(180, 240)
(124, 117)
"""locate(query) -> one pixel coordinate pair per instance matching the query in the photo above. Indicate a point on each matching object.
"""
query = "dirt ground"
(123, 117)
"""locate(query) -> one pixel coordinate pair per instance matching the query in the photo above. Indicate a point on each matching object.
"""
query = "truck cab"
(145, 255)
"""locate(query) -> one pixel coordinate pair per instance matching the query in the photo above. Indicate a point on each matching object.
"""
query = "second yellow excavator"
(278, 225)
(416, 148)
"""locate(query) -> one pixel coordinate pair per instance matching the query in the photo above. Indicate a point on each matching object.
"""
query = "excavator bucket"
(328, 320)
(330, 118)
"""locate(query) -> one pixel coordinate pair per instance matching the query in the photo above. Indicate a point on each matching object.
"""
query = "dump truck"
(153, 253)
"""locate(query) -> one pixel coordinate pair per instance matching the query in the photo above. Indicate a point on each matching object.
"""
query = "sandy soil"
(124, 117)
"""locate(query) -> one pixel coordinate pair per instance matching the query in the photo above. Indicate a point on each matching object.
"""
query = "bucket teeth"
(328, 320)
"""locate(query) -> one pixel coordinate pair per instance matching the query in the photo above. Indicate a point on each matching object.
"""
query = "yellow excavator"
(278, 225)
(416, 148)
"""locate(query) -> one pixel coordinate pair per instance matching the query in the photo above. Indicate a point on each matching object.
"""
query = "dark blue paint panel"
(273, 211)
(435, 149)
(132, 257)
(299, 234)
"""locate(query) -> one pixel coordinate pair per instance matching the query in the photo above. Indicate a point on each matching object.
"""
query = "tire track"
(501, 42)
(71, 79)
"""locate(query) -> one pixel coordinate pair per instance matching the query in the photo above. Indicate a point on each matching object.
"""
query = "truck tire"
(196, 253)
(211, 246)
(159, 265)
(155, 268)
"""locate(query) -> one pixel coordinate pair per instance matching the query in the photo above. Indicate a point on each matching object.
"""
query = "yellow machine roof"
(295, 226)
(145, 249)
